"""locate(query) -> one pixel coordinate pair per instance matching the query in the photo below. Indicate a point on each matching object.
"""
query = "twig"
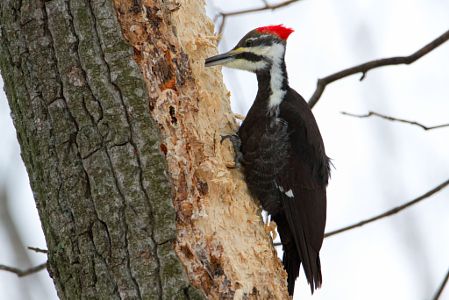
(441, 288)
(387, 213)
(38, 250)
(391, 211)
(21, 273)
(372, 113)
(365, 67)
(266, 6)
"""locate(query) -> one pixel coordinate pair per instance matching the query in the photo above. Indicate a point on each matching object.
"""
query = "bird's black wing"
(302, 184)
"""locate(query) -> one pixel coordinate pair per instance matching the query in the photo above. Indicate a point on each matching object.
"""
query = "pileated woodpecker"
(284, 161)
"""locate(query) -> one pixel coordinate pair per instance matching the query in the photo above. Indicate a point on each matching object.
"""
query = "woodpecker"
(283, 156)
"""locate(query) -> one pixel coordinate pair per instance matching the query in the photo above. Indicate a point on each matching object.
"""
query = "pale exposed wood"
(220, 235)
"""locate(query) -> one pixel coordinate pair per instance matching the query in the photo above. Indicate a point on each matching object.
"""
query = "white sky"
(379, 164)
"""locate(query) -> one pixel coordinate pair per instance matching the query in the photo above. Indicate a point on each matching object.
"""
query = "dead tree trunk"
(119, 126)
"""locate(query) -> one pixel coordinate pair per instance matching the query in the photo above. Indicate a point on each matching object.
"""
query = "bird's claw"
(270, 228)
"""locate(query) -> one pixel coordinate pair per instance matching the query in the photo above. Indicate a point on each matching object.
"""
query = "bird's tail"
(290, 259)
(291, 264)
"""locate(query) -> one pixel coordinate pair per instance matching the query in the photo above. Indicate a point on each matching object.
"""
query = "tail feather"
(290, 259)
(298, 246)
(291, 263)
(317, 273)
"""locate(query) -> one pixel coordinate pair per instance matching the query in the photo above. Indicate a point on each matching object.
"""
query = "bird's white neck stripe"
(276, 77)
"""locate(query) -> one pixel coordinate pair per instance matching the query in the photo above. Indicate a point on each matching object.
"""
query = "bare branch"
(221, 28)
(441, 288)
(365, 67)
(266, 6)
(391, 211)
(387, 213)
(38, 250)
(22, 273)
(372, 113)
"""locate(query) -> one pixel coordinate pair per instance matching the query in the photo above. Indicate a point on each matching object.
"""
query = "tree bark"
(119, 126)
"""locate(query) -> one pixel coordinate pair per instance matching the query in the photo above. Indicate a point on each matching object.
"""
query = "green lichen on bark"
(80, 108)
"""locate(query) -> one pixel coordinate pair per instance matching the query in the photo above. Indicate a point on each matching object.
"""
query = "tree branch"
(22, 273)
(38, 250)
(391, 211)
(372, 113)
(266, 6)
(365, 67)
(441, 288)
(385, 214)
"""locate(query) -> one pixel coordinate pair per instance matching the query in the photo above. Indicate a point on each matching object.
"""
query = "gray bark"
(92, 151)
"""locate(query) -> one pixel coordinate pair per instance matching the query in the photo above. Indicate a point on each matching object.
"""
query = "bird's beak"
(222, 59)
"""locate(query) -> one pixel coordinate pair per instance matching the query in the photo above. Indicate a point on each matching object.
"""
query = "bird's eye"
(248, 43)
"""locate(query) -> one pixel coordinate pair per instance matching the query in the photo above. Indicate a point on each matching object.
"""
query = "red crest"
(279, 30)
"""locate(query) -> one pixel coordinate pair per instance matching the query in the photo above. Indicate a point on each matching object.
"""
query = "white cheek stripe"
(277, 93)
(276, 53)
(260, 50)
(247, 65)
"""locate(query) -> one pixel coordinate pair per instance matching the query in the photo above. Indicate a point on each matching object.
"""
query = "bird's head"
(256, 51)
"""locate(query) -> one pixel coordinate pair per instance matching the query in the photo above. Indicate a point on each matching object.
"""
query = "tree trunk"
(119, 126)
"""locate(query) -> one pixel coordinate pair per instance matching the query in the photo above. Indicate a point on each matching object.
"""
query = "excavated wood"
(221, 239)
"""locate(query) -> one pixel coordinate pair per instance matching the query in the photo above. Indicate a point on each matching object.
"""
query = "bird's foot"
(236, 144)
(270, 228)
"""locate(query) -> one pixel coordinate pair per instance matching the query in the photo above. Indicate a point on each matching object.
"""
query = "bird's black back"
(287, 170)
